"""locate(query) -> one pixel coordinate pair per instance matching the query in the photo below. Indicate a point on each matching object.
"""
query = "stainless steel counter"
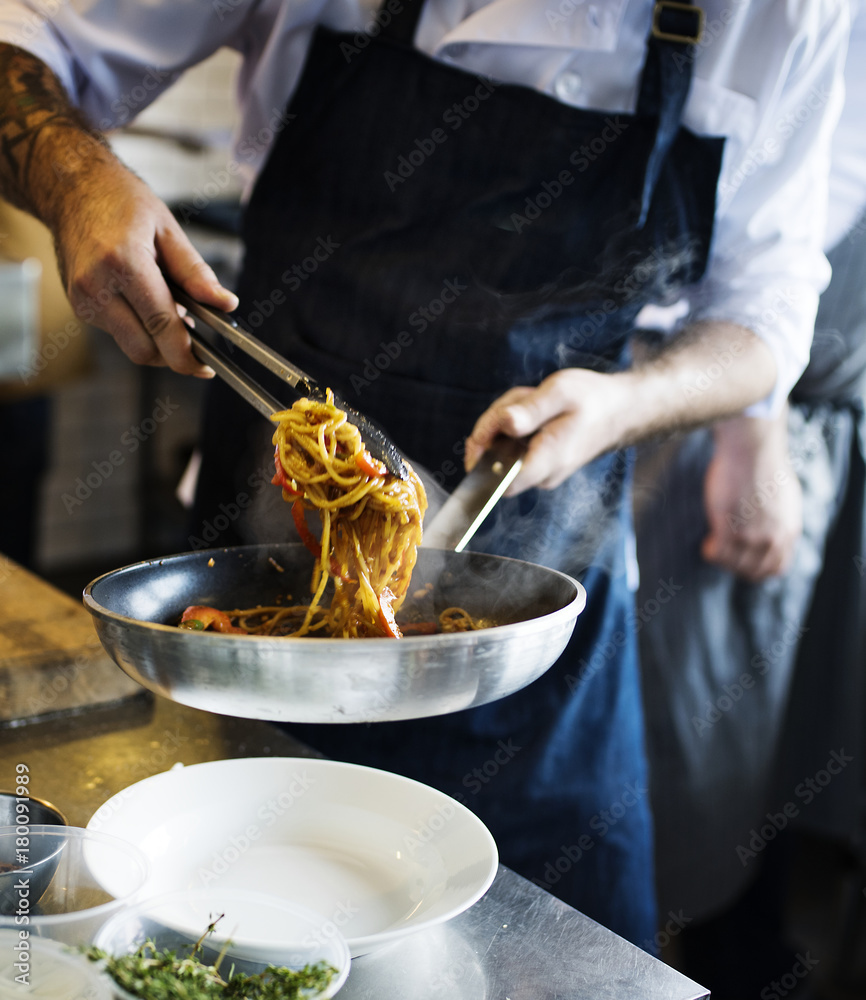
(517, 943)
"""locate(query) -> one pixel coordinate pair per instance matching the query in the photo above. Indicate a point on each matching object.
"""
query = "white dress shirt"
(847, 209)
(767, 75)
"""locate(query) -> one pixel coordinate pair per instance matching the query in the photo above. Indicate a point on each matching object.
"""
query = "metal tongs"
(375, 440)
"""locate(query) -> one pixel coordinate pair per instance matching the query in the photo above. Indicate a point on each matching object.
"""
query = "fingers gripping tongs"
(375, 440)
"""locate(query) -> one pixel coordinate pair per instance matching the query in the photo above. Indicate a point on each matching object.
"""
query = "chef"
(491, 192)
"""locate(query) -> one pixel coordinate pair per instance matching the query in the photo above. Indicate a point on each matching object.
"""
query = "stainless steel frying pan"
(136, 609)
(331, 680)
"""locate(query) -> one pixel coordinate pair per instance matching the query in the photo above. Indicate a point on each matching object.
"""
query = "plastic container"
(54, 886)
(46, 968)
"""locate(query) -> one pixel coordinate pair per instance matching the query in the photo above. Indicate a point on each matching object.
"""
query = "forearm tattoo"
(43, 138)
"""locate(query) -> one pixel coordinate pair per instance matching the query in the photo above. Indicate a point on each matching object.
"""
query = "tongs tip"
(375, 440)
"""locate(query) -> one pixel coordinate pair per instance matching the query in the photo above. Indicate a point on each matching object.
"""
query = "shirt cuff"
(783, 317)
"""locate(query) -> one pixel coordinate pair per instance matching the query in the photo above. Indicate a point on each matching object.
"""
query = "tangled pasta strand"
(371, 520)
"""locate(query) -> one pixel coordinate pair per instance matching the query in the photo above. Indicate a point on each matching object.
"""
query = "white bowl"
(378, 855)
(254, 929)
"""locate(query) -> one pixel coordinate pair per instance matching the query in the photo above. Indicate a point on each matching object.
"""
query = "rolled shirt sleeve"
(767, 266)
(113, 74)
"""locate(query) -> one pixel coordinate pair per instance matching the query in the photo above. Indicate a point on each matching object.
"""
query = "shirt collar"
(574, 24)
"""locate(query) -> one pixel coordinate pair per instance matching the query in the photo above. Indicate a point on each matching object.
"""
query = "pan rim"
(572, 608)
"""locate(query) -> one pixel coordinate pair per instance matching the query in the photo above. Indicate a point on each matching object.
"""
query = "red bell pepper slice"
(219, 621)
(280, 478)
(420, 628)
(305, 533)
(387, 621)
(370, 466)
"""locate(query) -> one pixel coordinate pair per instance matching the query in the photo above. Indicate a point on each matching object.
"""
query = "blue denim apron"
(423, 239)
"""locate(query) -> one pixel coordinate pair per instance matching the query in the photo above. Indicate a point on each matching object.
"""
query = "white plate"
(378, 855)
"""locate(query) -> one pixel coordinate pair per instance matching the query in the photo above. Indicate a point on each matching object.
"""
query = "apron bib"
(422, 239)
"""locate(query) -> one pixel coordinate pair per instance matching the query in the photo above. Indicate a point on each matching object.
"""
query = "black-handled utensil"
(375, 440)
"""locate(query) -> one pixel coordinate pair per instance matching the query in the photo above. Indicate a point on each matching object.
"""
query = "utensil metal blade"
(476, 495)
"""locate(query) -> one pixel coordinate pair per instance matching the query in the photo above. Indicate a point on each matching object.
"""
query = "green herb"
(154, 974)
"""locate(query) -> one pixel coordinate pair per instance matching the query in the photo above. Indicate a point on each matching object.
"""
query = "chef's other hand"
(753, 499)
(575, 414)
(114, 240)
(572, 417)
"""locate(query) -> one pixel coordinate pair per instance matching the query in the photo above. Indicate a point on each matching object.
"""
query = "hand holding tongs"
(375, 440)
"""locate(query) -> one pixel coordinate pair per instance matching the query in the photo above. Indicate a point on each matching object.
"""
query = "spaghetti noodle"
(370, 519)
(370, 531)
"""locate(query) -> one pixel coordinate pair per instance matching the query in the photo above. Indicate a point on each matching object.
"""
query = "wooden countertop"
(51, 660)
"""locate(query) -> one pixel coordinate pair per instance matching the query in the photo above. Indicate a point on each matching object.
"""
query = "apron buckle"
(677, 22)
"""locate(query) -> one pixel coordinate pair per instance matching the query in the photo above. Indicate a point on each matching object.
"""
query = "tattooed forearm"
(44, 141)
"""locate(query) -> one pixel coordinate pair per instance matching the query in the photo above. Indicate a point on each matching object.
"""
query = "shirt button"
(567, 86)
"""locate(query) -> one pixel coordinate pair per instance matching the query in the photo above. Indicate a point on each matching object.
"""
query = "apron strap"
(666, 79)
